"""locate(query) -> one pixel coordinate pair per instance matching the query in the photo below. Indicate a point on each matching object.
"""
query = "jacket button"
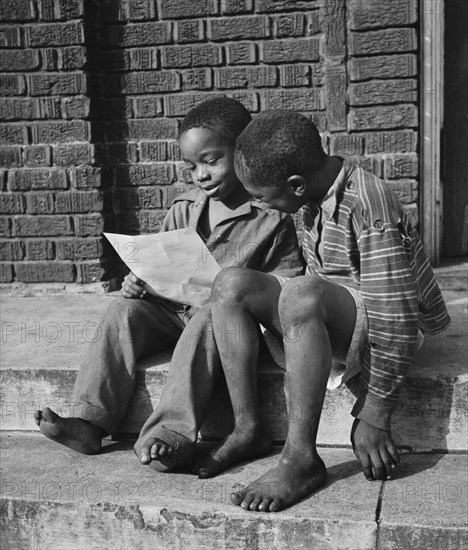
(378, 224)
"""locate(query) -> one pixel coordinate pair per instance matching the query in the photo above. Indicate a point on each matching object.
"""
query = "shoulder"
(372, 194)
(275, 215)
(193, 195)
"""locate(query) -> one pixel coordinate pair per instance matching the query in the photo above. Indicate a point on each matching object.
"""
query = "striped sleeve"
(390, 294)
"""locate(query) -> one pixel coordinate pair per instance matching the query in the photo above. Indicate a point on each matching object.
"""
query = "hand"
(374, 449)
(132, 287)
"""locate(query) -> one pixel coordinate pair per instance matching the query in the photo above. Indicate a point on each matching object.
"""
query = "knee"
(122, 310)
(232, 285)
(301, 300)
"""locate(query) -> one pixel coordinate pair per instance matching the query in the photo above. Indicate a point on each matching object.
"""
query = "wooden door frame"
(432, 113)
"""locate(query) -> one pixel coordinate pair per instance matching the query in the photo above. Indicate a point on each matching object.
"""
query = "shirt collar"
(330, 200)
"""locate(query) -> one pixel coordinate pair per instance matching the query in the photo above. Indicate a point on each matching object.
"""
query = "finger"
(393, 452)
(387, 461)
(378, 467)
(366, 466)
(135, 279)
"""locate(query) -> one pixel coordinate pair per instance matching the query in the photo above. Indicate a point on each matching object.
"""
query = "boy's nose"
(202, 175)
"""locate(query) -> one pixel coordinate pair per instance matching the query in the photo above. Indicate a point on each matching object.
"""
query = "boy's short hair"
(277, 145)
(224, 115)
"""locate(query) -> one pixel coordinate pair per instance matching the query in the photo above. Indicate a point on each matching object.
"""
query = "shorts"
(340, 372)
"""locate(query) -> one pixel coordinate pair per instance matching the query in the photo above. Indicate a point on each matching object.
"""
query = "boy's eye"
(212, 162)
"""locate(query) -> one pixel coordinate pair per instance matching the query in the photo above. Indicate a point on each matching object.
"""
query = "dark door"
(455, 152)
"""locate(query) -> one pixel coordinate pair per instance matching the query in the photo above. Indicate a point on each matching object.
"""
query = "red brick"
(174, 57)
(406, 189)
(73, 154)
(12, 84)
(79, 201)
(13, 134)
(50, 59)
(383, 66)
(333, 23)
(241, 27)
(141, 9)
(16, 10)
(192, 30)
(242, 53)
(40, 249)
(5, 226)
(88, 177)
(37, 155)
(314, 24)
(401, 166)
(147, 107)
(61, 9)
(346, 144)
(10, 156)
(383, 117)
(384, 41)
(76, 107)
(231, 7)
(391, 142)
(30, 109)
(289, 25)
(45, 272)
(268, 6)
(78, 249)
(90, 272)
(19, 60)
(38, 179)
(41, 226)
(138, 198)
(244, 77)
(150, 82)
(153, 174)
(10, 37)
(174, 150)
(143, 59)
(335, 96)
(40, 203)
(56, 34)
(180, 9)
(153, 151)
(370, 164)
(299, 100)
(196, 79)
(91, 225)
(383, 91)
(136, 34)
(6, 273)
(288, 51)
(178, 105)
(11, 250)
(12, 203)
(159, 128)
(374, 13)
(60, 132)
(295, 75)
(57, 84)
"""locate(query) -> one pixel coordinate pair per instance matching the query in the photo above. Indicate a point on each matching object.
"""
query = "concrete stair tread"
(39, 371)
(110, 501)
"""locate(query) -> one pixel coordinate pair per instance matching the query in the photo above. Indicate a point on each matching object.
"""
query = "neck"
(323, 179)
(236, 199)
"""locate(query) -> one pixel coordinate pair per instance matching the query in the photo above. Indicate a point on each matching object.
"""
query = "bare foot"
(75, 433)
(159, 455)
(241, 444)
(291, 480)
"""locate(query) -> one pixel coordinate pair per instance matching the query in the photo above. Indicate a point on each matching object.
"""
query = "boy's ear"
(297, 185)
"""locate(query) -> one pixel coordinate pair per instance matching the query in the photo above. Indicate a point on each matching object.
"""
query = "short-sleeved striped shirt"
(360, 236)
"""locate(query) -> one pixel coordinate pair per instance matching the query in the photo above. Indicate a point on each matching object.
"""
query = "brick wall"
(93, 93)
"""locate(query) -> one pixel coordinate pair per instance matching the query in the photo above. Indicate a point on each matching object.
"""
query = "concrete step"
(44, 337)
(55, 499)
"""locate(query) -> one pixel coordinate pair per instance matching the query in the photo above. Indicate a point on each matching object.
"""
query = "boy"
(368, 288)
(237, 232)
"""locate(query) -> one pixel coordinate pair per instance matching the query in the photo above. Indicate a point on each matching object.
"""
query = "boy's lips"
(207, 188)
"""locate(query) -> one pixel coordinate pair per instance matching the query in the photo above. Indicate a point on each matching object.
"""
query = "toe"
(49, 416)
(276, 506)
(254, 505)
(154, 452)
(163, 450)
(264, 506)
(246, 501)
(236, 498)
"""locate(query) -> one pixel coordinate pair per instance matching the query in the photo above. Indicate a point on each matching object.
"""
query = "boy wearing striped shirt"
(360, 312)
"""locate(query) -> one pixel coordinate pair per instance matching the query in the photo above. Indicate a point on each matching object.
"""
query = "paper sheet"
(175, 264)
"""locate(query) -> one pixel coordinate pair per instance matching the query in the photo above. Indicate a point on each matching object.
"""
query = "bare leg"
(236, 293)
(318, 320)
